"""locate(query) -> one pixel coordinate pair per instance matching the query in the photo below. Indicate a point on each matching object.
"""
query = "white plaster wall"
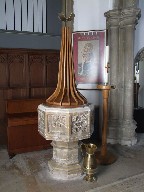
(89, 14)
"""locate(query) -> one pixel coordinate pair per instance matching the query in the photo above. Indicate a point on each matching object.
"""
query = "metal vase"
(89, 165)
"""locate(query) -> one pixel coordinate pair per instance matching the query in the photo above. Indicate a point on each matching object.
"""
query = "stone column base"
(65, 163)
(122, 132)
(124, 141)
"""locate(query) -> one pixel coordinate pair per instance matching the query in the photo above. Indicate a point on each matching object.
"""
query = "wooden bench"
(22, 126)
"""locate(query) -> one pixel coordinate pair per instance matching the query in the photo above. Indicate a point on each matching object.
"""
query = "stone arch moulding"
(139, 56)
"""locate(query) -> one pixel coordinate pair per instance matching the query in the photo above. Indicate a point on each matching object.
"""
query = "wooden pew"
(22, 126)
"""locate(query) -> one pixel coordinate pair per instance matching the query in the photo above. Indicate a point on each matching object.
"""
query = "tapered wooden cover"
(66, 93)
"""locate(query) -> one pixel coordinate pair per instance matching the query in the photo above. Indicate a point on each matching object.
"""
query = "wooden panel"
(52, 67)
(37, 70)
(42, 92)
(50, 91)
(3, 132)
(22, 119)
(22, 126)
(26, 73)
(2, 106)
(7, 94)
(23, 105)
(1, 95)
(38, 92)
(3, 70)
(19, 93)
(2, 109)
(15, 93)
(17, 70)
(24, 139)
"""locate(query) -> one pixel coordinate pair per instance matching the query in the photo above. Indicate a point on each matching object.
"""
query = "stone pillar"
(121, 25)
(113, 41)
(128, 20)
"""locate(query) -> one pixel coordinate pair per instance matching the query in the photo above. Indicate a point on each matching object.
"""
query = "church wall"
(89, 15)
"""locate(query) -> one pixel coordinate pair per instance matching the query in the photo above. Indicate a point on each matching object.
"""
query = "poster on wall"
(90, 58)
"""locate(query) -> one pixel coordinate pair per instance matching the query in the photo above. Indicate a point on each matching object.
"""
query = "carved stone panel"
(79, 122)
(65, 124)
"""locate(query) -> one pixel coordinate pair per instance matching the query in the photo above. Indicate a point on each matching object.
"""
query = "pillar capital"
(112, 18)
(121, 4)
(122, 17)
(129, 17)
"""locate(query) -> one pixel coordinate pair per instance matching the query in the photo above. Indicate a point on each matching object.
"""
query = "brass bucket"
(89, 165)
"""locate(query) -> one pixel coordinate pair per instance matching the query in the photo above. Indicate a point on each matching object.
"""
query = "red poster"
(89, 58)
